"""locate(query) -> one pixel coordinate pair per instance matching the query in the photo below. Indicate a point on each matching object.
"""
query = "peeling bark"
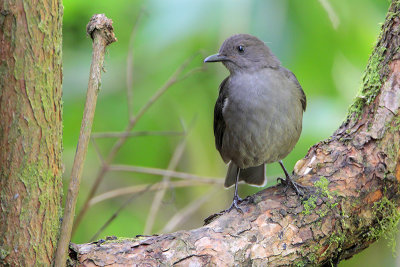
(355, 173)
(30, 131)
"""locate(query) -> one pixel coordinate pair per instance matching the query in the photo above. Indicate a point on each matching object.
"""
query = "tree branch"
(356, 174)
(101, 31)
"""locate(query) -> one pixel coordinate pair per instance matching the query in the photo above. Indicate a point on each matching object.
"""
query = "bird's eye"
(240, 48)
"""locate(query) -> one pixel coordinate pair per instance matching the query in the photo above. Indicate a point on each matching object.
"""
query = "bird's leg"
(298, 188)
(236, 198)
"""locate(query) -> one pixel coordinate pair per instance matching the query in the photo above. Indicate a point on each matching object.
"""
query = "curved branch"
(356, 174)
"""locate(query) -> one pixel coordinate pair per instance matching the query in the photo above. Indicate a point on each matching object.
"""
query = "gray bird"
(258, 114)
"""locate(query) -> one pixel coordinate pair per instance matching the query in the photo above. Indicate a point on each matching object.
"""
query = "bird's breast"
(262, 122)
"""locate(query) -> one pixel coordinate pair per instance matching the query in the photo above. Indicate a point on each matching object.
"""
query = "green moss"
(300, 263)
(33, 176)
(319, 165)
(312, 257)
(36, 175)
(309, 205)
(309, 256)
(322, 191)
(372, 82)
(322, 213)
(257, 199)
(322, 184)
(3, 253)
(396, 123)
(396, 3)
(392, 151)
(387, 219)
(336, 240)
(376, 72)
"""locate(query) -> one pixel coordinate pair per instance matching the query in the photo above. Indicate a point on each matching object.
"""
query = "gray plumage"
(259, 110)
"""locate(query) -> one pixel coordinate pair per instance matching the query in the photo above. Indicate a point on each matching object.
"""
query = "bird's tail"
(252, 175)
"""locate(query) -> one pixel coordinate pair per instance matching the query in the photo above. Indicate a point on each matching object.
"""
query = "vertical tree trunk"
(30, 130)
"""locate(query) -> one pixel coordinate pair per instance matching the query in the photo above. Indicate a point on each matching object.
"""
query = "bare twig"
(114, 150)
(98, 152)
(156, 171)
(101, 30)
(174, 79)
(129, 66)
(136, 134)
(119, 210)
(331, 13)
(155, 206)
(187, 211)
(155, 186)
(100, 175)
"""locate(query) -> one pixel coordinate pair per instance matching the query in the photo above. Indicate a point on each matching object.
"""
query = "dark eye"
(240, 48)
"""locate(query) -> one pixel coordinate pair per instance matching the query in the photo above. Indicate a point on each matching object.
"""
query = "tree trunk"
(355, 175)
(30, 131)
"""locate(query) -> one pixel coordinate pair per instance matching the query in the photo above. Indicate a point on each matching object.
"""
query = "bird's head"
(244, 52)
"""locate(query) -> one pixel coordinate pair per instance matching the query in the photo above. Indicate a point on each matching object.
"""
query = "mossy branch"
(357, 176)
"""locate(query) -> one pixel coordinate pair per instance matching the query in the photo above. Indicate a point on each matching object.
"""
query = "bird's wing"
(303, 98)
(219, 122)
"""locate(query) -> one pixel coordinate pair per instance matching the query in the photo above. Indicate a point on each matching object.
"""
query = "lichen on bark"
(30, 131)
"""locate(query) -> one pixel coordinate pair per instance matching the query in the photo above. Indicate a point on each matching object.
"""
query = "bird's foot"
(301, 190)
(235, 202)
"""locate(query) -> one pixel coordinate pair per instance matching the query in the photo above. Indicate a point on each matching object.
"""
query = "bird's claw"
(235, 202)
(281, 181)
(301, 190)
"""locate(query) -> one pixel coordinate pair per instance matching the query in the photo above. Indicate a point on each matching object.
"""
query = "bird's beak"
(215, 58)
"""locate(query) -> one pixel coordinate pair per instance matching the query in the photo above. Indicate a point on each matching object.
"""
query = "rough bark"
(355, 174)
(30, 131)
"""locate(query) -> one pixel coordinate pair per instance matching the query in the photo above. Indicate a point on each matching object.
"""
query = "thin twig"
(155, 206)
(136, 134)
(101, 30)
(156, 186)
(191, 72)
(185, 213)
(156, 171)
(95, 236)
(100, 175)
(114, 150)
(96, 147)
(173, 80)
(129, 66)
(334, 18)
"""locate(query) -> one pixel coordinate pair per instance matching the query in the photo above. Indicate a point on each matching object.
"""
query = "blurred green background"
(325, 43)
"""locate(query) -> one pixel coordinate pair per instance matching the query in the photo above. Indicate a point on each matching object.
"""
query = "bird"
(258, 113)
